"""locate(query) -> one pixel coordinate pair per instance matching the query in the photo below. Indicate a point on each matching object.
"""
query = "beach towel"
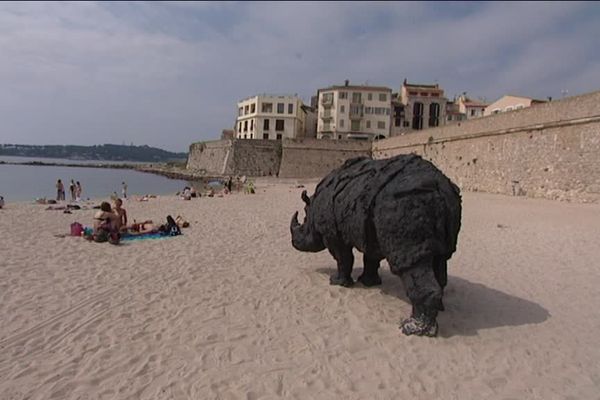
(144, 236)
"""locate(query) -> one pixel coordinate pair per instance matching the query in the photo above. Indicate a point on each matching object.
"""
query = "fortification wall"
(314, 158)
(255, 158)
(550, 150)
(209, 158)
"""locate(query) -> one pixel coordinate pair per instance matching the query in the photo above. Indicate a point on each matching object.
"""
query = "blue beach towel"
(144, 236)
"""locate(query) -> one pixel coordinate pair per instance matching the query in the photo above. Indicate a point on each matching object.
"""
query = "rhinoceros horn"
(305, 198)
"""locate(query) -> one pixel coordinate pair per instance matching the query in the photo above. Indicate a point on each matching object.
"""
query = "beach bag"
(76, 229)
(172, 227)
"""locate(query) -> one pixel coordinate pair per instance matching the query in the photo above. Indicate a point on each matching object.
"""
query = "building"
(354, 112)
(311, 122)
(453, 113)
(270, 117)
(418, 106)
(510, 103)
(471, 108)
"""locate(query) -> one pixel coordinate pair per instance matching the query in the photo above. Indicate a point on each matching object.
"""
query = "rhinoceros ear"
(305, 198)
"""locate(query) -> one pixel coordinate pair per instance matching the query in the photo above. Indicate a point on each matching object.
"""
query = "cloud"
(170, 73)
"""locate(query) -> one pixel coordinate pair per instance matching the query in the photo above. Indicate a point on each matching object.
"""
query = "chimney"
(346, 82)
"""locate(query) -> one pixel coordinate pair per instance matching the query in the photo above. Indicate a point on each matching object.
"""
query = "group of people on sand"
(111, 224)
(75, 190)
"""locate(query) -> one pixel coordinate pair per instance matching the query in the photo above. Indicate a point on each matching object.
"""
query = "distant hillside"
(108, 152)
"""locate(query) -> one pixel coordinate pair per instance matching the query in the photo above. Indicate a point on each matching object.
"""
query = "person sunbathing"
(140, 228)
(105, 225)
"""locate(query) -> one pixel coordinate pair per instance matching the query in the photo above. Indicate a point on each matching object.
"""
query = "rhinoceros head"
(305, 237)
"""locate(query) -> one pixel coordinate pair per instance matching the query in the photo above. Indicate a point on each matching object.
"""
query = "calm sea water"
(26, 182)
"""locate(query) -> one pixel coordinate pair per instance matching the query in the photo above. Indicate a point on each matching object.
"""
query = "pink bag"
(76, 229)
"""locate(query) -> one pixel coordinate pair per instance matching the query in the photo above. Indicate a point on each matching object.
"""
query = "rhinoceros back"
(344, 199)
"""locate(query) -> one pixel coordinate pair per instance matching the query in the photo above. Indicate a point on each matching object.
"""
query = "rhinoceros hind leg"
(425, 294)
(370, 276)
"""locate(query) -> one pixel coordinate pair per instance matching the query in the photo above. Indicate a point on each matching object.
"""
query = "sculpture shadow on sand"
(470, 306)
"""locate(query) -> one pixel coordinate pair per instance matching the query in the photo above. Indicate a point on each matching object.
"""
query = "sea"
(30, 182)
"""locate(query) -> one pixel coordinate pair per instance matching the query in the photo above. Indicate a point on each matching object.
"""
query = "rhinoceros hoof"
(369, 280)
(416, 326)
(341, 281)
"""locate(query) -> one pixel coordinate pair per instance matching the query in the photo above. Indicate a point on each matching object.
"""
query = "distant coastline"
(105, 152)
(172, 170)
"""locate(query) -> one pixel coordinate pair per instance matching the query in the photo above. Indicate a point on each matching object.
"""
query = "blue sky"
(170, 73)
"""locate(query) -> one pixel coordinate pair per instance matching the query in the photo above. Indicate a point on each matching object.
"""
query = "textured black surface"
(402, 209)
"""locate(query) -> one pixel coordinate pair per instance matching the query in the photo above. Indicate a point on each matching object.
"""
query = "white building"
(270, 117)
(354, 112)
(510, 103)
(470, 108)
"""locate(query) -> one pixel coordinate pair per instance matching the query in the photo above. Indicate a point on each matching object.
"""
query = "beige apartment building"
(271, 117)
(354, 112)
(418, 106)
(510, 103)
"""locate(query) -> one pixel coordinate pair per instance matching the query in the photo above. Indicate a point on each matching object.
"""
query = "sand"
(231, 311)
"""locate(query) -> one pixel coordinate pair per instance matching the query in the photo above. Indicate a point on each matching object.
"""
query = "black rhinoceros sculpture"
(402, 209)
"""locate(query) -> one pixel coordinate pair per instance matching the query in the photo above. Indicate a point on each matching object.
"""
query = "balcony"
(356, 111)
(327, 101)
(325, 116)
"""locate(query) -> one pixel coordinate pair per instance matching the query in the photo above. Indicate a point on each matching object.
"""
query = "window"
(251, 124)
(341, 123)
(473, 111)
(368, 110)
(355, 126)
(266, 124)
(356, 97)
(279, 136)
(246, 109)
(368, 124)
(413, 93)
(434, 114)
(417, 122)
(382, 97)
(267, 107)
(343, 95)
(380, 124)
(240, 111)
(435, 95)
(424, 94)
(496, 111)
(245, 136)
(280, 107)
(240, 127)
(265, 135)
(327, 98)
(290, 108)
(519, 106)
(245, 127)
(370, 96)
(398, 122)
(279, 124)
(253, 108)
(339, 136)
(342, 109)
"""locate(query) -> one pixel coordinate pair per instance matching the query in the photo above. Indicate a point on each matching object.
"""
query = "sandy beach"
(230, 310)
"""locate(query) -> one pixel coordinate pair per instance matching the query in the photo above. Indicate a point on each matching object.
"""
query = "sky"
(168, 74)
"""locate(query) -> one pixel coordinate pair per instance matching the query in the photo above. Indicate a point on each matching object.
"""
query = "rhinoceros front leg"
(425, 294)
(370, 276)
(345, 261)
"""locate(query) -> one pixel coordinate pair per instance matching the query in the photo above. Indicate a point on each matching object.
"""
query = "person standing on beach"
(1, 201)
(72, 190)
(60, 191)
(78, 191)
(124, 190)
